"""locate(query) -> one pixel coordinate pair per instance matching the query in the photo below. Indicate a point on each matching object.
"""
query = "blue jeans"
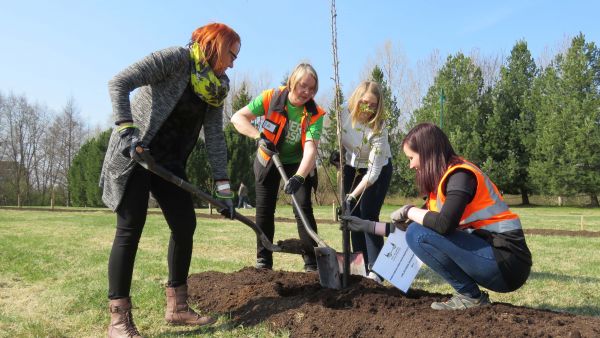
(464, 260)
(369, 207)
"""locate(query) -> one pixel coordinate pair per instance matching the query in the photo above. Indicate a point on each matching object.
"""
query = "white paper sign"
(396, 262)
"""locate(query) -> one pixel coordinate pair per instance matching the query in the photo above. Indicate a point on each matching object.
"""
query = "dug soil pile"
(296, 302)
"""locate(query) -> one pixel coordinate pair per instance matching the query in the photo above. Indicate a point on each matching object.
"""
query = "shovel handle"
(149, 164)
(305, 222)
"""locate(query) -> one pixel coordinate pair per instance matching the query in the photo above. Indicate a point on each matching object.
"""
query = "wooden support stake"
(581, 224)
(334, 215)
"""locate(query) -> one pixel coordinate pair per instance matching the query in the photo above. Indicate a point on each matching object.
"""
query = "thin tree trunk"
(594, 200)
(524, 197)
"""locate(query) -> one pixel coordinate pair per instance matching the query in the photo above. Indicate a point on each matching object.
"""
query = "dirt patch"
(292, 245)
(296, 302)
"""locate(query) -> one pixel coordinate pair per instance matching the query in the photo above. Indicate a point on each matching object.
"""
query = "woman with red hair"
(179, 91)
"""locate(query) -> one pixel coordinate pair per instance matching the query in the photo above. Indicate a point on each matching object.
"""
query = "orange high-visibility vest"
(274, 124)
(486, 211)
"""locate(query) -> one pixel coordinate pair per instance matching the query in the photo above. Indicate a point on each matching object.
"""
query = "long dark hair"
(435, 154)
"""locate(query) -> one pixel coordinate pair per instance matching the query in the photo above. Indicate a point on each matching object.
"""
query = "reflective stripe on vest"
(493, 214)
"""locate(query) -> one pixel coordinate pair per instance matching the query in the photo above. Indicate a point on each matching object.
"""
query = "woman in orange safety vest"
(466, 232)
(291, 124)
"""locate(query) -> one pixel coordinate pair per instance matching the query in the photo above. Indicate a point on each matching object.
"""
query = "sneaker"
(461, 302)
(310, 268)
(372, 275)
(262, 263)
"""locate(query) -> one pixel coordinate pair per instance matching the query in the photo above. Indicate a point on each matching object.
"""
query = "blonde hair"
(298, 72)
(376, 121)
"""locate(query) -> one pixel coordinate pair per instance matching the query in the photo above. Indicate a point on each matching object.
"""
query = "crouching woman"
(466, 232)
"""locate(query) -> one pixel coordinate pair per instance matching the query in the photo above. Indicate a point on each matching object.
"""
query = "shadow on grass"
(206, 331)
(563, 278)
(584, 310)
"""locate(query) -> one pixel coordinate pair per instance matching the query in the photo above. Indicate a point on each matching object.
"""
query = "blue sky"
(53, 50)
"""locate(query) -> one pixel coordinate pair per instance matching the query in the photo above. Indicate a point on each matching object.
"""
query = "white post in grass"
(334, 215)
(581, 224)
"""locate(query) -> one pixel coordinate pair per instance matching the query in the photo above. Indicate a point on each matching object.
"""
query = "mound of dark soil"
(296, 301)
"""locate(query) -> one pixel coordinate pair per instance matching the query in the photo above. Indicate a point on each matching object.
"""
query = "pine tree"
(329, 139)
(505, 133)
(198, 171)
(84, 172)
(240, 149)
(566, 157)
(465, 109)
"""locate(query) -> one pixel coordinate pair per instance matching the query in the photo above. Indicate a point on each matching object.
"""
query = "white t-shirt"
(365, 149)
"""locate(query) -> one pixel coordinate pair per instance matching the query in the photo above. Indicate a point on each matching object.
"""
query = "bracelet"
(121, 128)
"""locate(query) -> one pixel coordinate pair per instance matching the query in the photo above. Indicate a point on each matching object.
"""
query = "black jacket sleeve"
(460, 190)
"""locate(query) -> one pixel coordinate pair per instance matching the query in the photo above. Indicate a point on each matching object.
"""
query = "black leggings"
(178, 210)
(266, 202)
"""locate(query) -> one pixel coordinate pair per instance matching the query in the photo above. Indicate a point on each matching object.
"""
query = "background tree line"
(37, 149)
(534, 128)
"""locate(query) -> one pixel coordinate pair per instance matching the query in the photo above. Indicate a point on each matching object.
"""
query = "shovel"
(148, 163)
(327, 261)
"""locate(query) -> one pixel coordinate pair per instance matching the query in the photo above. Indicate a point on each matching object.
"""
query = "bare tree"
(394, 63)
(22, 132)
(429, 68)
(489, 64)
(3, 132)
(69, 132)
(419, 81)
(42, 161)
(550, 52)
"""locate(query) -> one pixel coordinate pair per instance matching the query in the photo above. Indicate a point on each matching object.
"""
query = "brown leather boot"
(178, 310)
(121, 320)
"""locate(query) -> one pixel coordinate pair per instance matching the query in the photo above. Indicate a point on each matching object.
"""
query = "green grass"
(53, 266)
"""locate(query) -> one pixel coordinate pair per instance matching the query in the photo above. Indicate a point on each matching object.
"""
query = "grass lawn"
(54, 279)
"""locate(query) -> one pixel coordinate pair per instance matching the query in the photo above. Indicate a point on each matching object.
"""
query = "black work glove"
(334, 159)
(266, 144)
(293, 184)
(349, 204)
(130, 137)
(225, 195)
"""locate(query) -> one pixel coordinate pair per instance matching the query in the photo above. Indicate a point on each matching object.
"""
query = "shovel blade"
(357, 263)
(329, 270)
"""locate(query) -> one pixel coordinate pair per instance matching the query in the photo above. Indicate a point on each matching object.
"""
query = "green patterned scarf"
(209, 87)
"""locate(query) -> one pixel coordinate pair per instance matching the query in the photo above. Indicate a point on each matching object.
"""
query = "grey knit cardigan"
(161, 79)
